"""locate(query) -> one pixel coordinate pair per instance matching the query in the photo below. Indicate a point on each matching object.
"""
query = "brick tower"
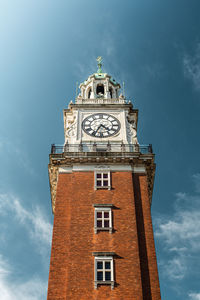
(101, 184)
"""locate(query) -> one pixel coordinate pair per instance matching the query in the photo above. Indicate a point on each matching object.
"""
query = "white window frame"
(104, 259)
(102, 209)
(102, 171)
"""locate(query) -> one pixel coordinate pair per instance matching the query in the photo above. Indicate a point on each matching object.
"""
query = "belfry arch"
(100, 89)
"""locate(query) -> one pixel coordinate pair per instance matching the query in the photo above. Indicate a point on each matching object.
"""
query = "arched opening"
(100, 89)
(89, 93)
(111, 92)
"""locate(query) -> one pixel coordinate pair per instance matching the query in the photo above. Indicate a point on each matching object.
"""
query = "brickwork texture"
(71, 273)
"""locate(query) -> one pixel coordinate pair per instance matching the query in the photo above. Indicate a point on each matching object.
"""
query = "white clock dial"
(101, 125)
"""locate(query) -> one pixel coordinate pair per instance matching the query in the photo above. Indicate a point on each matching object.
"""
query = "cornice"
(69, 159)
(99, 105)
(128, 106)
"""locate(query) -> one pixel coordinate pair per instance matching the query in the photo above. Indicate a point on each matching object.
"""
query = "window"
(103, 217)
(104, 273)
(102, 179)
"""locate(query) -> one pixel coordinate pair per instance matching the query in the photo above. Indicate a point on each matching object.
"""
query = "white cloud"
(184, 227)
(175, 269)
(42, 228)
(194, 296)
(33, 289)
(4, 267)
(180, 235)
(191, 66)
(34, 221)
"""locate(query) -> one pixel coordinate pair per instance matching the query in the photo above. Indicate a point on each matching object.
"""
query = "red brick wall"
(72, 263)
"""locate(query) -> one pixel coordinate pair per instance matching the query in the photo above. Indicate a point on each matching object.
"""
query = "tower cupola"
(99, 86)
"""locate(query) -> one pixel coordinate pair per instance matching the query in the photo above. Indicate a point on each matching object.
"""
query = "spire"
(99, 60)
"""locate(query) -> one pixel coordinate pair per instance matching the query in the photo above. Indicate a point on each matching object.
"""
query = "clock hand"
(95, 131)
(98, 127)
(101, 125)
(105, 127)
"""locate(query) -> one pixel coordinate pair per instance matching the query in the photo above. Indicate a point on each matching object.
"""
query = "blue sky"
(46, 47)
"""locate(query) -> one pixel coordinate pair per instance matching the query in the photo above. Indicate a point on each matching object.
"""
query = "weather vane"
(99, 60)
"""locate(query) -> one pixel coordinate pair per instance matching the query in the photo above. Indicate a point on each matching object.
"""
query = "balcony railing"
(97, 147)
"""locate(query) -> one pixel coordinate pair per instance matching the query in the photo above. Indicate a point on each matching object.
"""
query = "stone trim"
(93, 167)
(111, 283)
(103, 253)
(103, 205)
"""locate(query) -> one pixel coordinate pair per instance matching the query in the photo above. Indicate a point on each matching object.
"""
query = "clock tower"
(101, 183)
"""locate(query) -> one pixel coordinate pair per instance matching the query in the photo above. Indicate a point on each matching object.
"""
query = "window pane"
(99, 214)
(107, 275)
(98, 183)
(105, 175)
(106, 223)
(99, 265)
(99, 223)
(106, 214)
(98, 175)
(105, 183)
(99, 275)
(107, 265)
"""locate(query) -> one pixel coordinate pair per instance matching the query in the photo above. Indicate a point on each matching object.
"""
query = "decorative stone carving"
(53, 180)
(131, 129)
(71, 125)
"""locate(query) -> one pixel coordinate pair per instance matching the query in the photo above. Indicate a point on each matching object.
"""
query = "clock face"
(101, 125)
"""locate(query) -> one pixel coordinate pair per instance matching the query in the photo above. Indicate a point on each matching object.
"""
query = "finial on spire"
(123, 88)
(99, 60)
